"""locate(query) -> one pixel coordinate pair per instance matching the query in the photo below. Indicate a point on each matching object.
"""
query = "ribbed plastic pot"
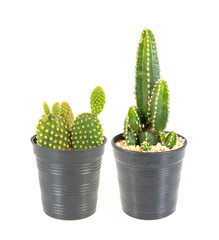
(148, 181)
(69, 180)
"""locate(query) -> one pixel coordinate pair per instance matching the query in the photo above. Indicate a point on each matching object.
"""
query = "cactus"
(52, 129)
(162, 136)
(147, 72)
(145, 147)
(159, 105)
(170, 140)
(144, 124)
(59, 130)
(67, 114)
(97, 100)
(86, 132)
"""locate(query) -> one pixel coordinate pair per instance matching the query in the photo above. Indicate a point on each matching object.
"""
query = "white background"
(61, 50)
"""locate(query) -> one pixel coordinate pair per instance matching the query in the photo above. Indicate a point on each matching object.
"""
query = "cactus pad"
(97, 100)
(159, 105)
(86, 132)
(52, 131)
(67, 114)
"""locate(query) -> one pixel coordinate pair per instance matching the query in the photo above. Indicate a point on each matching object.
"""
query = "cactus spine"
(147, 72)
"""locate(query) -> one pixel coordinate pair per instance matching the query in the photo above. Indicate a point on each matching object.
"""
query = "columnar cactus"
(52, 129)
(144, 122)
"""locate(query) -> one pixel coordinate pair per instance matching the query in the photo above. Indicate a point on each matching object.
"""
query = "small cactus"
(162, 136)
(144, 124)
(170, 140)
(52, 129)
(86, 131)
(67, 114)
(97, 100)
(145, 147)
(59, 130)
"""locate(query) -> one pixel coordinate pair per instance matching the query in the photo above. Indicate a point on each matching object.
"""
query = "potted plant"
(68, 153)
(148, 159)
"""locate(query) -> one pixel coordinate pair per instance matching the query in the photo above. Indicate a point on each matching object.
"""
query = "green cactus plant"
(59, 130)
(145, 122)
(52, 129)
(170, 140)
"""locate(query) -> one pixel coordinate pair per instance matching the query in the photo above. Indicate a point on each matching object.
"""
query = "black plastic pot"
(148, 181)
(69, 180)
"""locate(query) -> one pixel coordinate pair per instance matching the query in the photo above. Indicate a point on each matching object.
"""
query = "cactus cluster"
(145, 122)
(59, 130)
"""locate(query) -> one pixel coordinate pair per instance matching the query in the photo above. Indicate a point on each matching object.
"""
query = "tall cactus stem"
(147, 72)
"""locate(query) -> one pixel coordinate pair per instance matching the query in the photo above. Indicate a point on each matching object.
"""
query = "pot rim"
(33, 141)
(119, 136)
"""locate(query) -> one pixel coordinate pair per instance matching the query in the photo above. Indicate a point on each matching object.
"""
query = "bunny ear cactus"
(52, 129)
(144, 122)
